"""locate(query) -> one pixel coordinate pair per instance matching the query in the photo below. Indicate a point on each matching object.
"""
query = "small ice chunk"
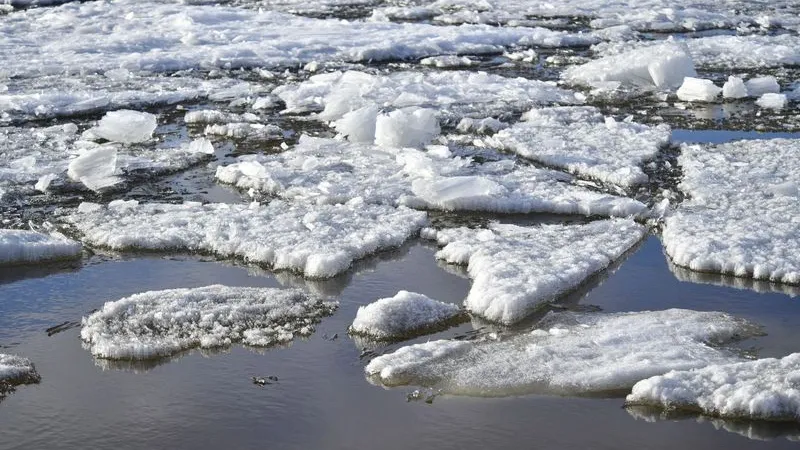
(698, 90)
(44, 182)
(23, 247)
(161, 323)
(404, 315)
(446, 61)
(358, 125)
(265, 102)
(14, 371)
(201, 145)
(407, 127)
(126, 126)
(95, 168)
(525, 55)
(759, 86)
(734, 88)
(772, 101)
(764, 389)
(482, 126)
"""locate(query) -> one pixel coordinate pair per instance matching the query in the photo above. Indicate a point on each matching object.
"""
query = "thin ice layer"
(157, 36)
(15, 370)
(24, 247)
(515, 269)
(454, 94)
(569, 354)
(743, 215)
(328, 171)
(766, 389)
(582, 141)
(403, 315)
(318, 241)
(161, 323)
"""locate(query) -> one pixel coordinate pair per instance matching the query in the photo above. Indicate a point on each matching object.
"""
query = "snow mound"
(403, 315)
(740, 218)
(327, 171)
(761, 389)
(583, 142)
(568, 354)
(161, 323)
(126, 126)
(515, 269)
(24, 247)
(15, 370)
(318, 241)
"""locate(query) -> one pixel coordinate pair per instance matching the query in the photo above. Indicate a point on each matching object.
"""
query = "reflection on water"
(760, 286)
(10, 274)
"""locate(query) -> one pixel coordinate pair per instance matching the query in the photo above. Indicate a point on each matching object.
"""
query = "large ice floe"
(327, 171)
(25, 247)
(339, 96)
(161, 323)
(15, 370)
(315, 240)
(158, 36)
(584, 142)
(404, 315)
(762, 389)
(516, 269)
(568, 354)
(742, 217)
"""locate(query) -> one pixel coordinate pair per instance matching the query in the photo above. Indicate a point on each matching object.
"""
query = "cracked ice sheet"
(326, 171)
(742, 217)
(160, 36)
(454, 93)
(583, 142)
(161, 323)
(764, 389)
(516, 270)
(569, 354)
(317, 241)
(26, 247)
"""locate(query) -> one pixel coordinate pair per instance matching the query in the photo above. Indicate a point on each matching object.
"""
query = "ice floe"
(25, 247)
(330, 171)
(15, 370)
(568, 354)
(516, 269)
(583, 142)
(317, 241)
(741, 218)
(762, 389)
(161, 323)
(404, 315)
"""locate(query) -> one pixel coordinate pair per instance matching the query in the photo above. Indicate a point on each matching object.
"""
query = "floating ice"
(761, 389)
(245, 130)
(403, 315)
(447, 61)
(482, 126)
(698, 90)
(15, 370)
(407, 127)
(96, 168)
(318, 241)
(329, 171)
(756, 87)
(517, 269)
(582, 141)
(773, 101)
(741, 215)
(24, 247)
(29, 154)
(569, 354)
(734, 88)
(161, 323)
(126, 126)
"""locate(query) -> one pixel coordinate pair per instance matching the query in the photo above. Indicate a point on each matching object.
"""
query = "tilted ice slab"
(15, 370)
(743, 215)
(761, 389)
(25, 247)
(583, 142)
(158, 36)
(161, 323)
(454, 94)
(403, 315)
(326, 171)
(571, 354)
(318, 241)
(515, 269)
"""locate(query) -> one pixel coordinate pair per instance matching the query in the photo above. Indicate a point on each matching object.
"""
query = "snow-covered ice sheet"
(766, 389)
(454, 94)
(568, 354)
(743, 216)
(315, 240)
(161, 323)
(404, 315)
(330, 171)
(583, 142)
(15, 370)
(25, 247)
(516, 269)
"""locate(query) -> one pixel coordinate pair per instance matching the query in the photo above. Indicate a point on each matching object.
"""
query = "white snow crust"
(25, 247)
(405, 314)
